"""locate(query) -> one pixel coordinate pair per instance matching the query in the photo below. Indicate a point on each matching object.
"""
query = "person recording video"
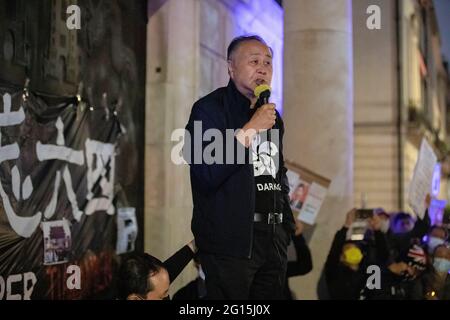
(347, 261)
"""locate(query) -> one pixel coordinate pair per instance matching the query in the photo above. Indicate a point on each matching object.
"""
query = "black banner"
(67, 167)
(57, 162)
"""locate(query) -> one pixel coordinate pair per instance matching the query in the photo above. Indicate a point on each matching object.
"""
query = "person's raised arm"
(178, 261)
(334, 255)
(303, 264)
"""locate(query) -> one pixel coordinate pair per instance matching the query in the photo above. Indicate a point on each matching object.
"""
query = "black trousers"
(260, 277)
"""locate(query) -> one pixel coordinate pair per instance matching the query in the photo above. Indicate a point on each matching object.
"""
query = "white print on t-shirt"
(268, 186)
(264, 163)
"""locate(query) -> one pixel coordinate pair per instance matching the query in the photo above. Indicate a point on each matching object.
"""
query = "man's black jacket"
(223, 193)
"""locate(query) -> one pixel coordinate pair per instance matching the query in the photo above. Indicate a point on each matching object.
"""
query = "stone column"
(171, 89)
(318, 113)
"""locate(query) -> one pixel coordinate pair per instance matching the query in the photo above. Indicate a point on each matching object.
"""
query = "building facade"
(400, 90)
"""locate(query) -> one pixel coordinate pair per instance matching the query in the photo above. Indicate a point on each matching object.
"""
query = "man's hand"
(350, 218)
(298, 227)
(263, 119)
(427, 201)
(398, 268)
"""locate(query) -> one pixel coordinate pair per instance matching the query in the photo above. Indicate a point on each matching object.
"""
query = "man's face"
(404, 225)
(438, 233)
(161, 282)
(250, 65)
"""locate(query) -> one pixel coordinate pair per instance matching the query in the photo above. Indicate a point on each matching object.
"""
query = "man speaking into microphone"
(242, 222)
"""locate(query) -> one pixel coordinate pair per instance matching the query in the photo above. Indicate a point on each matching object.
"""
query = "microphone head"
(262, 90)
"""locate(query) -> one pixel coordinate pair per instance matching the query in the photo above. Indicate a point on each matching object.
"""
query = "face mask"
(385, 226)
(201, 274)
(353, 256)
(433, 242)
(441, 265)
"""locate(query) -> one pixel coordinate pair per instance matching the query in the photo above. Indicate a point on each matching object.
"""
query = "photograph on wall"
(298, 196)
(57, 241)
(127, 230)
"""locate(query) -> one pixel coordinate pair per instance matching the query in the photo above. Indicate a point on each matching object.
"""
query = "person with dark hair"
(402, 278)
(302, 264)
(232, 47)
(347, 261)
(144, 277)
(405, 230)
(403, 222)
(242, 221)
(385, 219)
(437, 279)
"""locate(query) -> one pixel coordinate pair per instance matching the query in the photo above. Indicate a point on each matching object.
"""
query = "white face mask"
(433, 242)
(385, 224)
(441, 265)
(201, 274)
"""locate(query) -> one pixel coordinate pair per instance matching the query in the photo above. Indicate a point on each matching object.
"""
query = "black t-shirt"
(266, 163)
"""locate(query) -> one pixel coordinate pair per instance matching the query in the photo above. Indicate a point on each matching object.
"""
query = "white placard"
(312, 204)
(421, 181)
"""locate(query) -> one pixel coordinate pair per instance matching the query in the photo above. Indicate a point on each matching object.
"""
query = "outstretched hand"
(298, 227)
(427, 201)
(350, 218)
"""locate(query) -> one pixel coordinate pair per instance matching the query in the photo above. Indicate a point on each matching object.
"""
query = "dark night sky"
(443, 14)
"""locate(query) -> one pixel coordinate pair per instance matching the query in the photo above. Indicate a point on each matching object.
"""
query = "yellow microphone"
(262, 92)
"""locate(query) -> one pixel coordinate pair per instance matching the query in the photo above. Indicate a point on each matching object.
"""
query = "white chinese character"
(103, 175)
(59, 151)
(23, 226)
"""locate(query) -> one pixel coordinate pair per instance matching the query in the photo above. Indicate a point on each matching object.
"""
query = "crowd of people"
(410, 256)
(412, 259)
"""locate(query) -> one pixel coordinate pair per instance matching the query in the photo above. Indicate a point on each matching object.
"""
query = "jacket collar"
(239, 101)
